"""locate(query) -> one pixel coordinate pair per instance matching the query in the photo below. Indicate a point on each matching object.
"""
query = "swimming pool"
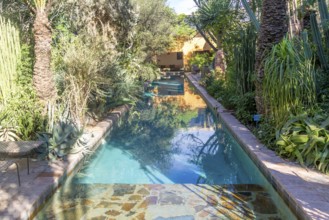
(170, 155)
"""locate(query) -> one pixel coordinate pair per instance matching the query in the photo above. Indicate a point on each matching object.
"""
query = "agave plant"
(307, 140)
(64, 139)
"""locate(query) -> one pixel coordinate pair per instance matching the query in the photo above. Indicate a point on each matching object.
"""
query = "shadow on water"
(154, 128)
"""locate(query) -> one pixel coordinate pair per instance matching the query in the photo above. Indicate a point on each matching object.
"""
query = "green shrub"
(324, 100)
(244, 106)
(289, 83)
(265, 132)
(202, 59)
(22, 113)
(306, 139)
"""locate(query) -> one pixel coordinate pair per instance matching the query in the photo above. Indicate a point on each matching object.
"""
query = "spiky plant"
(10, 57)
(251, 14)
(289, 83)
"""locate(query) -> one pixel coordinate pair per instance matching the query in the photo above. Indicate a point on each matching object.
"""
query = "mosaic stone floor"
(160, 202)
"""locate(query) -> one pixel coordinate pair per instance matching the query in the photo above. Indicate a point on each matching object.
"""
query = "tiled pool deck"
(45, 177)
(305, 191)
(159, 202)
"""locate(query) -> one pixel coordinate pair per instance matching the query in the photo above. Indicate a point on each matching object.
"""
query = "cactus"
(318, 41)
(307, 48)
(244, 56)
(251, 14)
(10, 57)
(324, 15)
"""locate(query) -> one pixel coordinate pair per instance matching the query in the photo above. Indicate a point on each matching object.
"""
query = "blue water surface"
(198, 153)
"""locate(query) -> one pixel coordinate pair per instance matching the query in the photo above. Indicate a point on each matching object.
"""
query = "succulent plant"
(64, 139)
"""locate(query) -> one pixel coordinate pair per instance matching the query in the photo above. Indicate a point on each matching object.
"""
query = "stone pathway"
(159, 202)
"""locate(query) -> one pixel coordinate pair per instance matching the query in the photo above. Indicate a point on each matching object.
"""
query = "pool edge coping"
(266, 160)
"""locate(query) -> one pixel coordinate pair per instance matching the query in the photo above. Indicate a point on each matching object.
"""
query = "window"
(179, 55)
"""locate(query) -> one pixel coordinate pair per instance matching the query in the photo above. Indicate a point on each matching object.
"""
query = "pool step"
(158, 202)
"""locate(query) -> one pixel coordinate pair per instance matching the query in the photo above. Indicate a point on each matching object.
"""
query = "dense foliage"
(306, 139)
(288, 67)
(201, 59)
(99, 53)
(283, 77)
(73, 61)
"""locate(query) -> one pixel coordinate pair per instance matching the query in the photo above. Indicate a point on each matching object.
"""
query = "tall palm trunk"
(43, 80)
(274, 26)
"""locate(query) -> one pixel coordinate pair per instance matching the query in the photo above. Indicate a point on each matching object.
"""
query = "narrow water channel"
(170, 159)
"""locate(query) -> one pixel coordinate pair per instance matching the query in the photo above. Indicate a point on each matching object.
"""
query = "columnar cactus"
(10, 57)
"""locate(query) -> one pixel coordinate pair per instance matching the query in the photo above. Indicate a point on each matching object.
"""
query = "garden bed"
(304, 191)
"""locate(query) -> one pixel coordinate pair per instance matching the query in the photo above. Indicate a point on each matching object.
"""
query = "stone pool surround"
(161, 202)
(45, 177)
(305, 191)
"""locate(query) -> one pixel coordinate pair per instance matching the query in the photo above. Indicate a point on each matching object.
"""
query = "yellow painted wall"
(198, 43)
(167, 59)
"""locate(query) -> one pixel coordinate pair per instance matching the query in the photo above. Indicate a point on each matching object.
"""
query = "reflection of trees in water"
(147, 136)
(213, 155)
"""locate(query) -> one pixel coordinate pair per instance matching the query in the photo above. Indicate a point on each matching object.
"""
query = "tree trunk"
(43, 80)
(274, 26)
(307, 18)
(294, 23)
(220, 62)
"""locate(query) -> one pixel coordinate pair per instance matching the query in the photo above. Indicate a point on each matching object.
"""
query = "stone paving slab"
(160, 202)
(45, 176)
(305, 191)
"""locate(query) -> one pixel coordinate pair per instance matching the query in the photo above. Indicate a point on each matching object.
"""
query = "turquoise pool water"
(170, 139)
(199, 153)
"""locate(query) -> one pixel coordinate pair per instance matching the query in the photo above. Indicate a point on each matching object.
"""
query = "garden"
(275, 56)
(65, 64)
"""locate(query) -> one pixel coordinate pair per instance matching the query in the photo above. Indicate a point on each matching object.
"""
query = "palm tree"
(43, 80)
(274, 26)
(212, 19)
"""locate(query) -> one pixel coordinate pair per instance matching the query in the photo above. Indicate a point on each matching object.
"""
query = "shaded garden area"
(274, 62)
